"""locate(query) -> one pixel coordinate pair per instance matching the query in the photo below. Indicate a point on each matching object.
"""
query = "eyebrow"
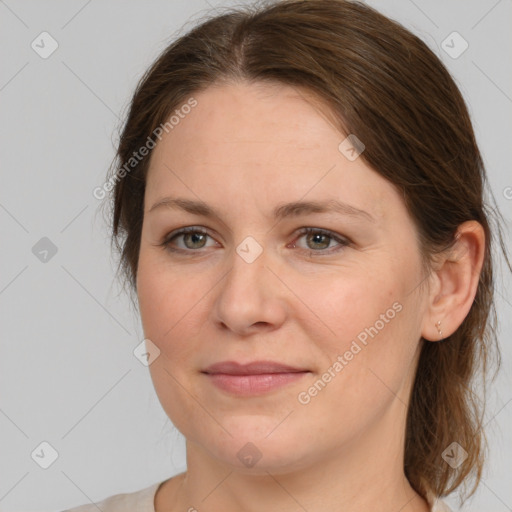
(292, 209)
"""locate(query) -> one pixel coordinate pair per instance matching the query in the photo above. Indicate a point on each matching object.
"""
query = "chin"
(257, 447)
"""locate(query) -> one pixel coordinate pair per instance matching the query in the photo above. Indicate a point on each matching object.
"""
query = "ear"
(454, 282)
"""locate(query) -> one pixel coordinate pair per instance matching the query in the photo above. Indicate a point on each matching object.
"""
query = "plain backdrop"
(68, 375)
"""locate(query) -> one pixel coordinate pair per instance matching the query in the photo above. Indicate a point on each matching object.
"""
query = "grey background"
(68, 375)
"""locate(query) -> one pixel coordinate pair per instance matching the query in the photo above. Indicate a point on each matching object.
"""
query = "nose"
(250, 298)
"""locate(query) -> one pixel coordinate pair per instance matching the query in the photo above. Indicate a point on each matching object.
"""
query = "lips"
(254, 368)
(256, 378)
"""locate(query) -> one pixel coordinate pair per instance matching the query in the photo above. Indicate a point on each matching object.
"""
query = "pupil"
(321, 235)
(194, 236)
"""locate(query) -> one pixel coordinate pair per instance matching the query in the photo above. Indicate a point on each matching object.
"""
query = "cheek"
(349, 302)
(369, 318)
(174, 305)
(368, 360)
(165, 295)
(154, 303)
(169, 302)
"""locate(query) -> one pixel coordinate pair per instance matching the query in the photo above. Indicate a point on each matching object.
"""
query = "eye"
(192, 237)
(318, 240)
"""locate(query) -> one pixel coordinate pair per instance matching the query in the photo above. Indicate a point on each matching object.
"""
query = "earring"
(438, 325)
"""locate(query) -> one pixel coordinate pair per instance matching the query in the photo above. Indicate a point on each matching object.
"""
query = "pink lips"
(254, 378)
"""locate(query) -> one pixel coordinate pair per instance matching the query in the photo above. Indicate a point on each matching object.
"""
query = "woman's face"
(341, 303)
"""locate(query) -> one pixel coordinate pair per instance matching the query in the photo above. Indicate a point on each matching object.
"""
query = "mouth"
(255, 378)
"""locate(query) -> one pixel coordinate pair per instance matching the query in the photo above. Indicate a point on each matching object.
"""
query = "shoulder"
(141, 501)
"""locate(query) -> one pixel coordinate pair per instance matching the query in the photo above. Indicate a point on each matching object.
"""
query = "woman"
(297, 201)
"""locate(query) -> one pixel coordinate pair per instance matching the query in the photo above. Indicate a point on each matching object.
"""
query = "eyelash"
(343, 242)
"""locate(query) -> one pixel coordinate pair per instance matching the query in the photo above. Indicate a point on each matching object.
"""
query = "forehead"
(264, 141)
(256, 116)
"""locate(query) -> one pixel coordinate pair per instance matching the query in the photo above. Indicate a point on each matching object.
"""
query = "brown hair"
(385, 85)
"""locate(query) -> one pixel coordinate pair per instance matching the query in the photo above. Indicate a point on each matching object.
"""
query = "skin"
(243, 150)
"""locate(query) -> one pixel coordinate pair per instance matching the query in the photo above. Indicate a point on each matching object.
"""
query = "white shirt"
(144, 501)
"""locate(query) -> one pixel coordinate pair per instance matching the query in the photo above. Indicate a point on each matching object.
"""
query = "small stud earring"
(438, 325)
